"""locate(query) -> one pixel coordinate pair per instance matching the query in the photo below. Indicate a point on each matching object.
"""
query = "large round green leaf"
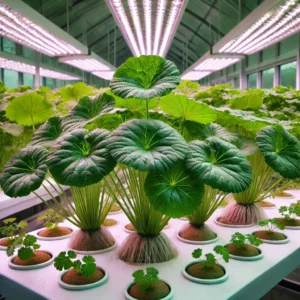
(24, 172)
(281, 150)
(174, 193)
(29, 109)
(180, 106)
(47, 134)
(220, 165)
(88, 110)
(147, 145)
(81, 158)
(145, 77)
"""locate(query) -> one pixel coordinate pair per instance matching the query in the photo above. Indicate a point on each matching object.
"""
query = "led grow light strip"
(275, 24)
(88, 63)
(31, 69)
(195, 75)
(154, 32)
(22, 24)
(107, 75)
(216, 64)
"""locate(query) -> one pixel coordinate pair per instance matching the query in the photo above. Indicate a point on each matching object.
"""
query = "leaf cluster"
(272, 224)
(11, 228)
(210, 259)
(86, 267)
(51, 219)
(290, 212)
(241, 240)
(145, 279)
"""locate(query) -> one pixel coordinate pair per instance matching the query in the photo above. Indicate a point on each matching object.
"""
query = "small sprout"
(64, 262)
(51, 219)
(11, 229)
(146, 279)
(241, 240)
(211, 260)
(272, 225)
(290, 212)
(28, 243)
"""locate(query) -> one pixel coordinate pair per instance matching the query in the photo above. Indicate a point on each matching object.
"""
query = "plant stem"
(147, 108)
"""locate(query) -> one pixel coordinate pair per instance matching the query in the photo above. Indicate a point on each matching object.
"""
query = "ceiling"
(203, 23)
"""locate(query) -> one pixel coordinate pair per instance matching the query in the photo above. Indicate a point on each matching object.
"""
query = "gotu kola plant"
(277, 157)
(78, 159)
(10, 229)
(150, 184)
(271, 233)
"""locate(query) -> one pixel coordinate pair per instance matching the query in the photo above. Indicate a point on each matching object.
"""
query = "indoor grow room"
(150, 149)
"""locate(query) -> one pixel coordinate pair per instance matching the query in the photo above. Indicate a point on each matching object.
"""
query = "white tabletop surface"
(247, 280)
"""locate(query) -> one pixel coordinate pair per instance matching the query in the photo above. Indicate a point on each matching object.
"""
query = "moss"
(109, 222)
(39, 258)
(246, 251)
(265, 204)
(71, 277)
(130, 227)
(272, 236)
(5, 242)
(159, 291)
(197, 233)
(282, 194)
(198, 270)
(115, 207)
(293, 222)
(56, 232)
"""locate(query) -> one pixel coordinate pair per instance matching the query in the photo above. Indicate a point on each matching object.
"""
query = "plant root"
(141, 249)
(191, 232)
(238, 214)
(92, 240)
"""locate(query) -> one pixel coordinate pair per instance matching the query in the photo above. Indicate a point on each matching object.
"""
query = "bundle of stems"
(148, 244)
(88, 211)
(196, 230)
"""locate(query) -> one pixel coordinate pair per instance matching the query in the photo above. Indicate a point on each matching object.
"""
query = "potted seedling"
(289, 216)
(108, 222)
(271, 235)
(10, 229)
(29, 257)
(207, 270)
(53, 231)
(244, 247)
(150, 183)
(277, 158)
(148, 286)
(80, 274)
(266, 204)
(63, 152)
(130, 228)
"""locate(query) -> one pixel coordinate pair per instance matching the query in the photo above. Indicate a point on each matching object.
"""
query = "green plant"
(51, 219)
(28, 243)
(145, 279)
(10, 228)
(290, 212)
(272, 225)
(64, 261)
(210, 259)
(241, 240)
(29, 110)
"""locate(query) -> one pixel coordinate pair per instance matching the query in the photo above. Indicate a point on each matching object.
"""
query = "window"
(236, 82)
(269, 53)
(252, 80)
(288, 74)
(9, 46)
(28, 53)
(268, 78)
(252, 60)
(288, 44)
(28, 79)
(49, 83)
(11, 78)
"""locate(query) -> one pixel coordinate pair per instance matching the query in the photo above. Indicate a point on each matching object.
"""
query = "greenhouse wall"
(275, 65)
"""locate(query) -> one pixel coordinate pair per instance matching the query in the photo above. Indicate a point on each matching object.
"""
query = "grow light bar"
(23, 25)
(88, 63)
(107, 75)
(216, 64)
(12, 62)
(269, 23)
(154, 23)
(195, 75)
